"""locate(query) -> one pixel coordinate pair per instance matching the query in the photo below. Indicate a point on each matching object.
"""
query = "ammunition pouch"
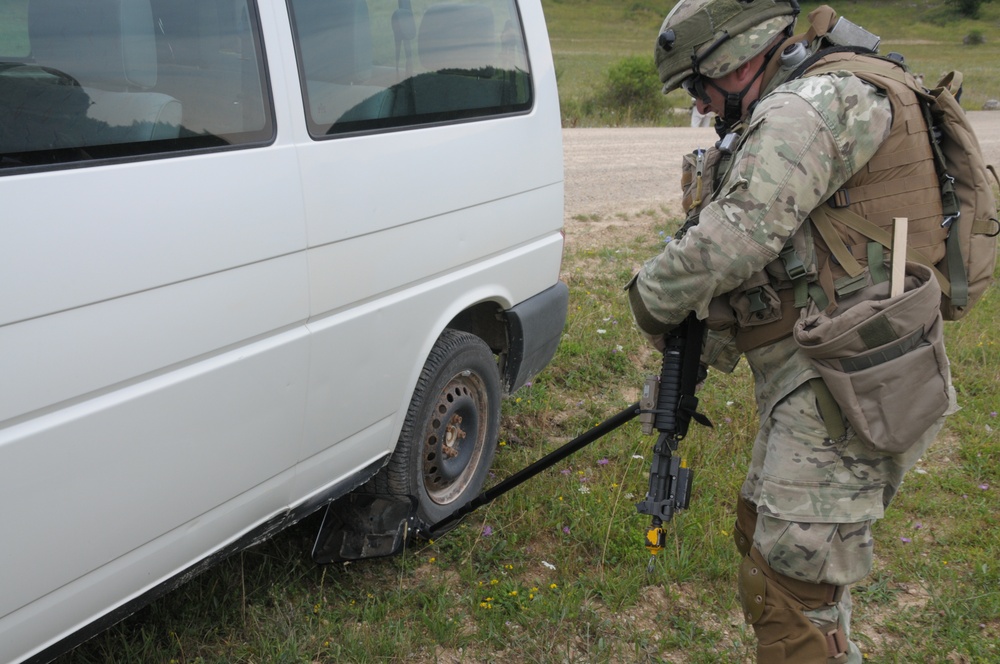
(883, 359)
(699, 173)
(782, 315)
(758, 305)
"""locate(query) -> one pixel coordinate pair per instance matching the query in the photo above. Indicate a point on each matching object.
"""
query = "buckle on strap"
(755, 295)
(794, 266)
(836, 643)
(949, 199)
(840, 199)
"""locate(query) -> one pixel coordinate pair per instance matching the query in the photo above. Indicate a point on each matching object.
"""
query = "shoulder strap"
(877, 67)
(823, 218)
(862, 66)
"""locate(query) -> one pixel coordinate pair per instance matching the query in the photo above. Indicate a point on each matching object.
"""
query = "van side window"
(125, 78)
(377, 64)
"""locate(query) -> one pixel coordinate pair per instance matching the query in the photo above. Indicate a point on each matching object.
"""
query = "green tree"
(968, 8)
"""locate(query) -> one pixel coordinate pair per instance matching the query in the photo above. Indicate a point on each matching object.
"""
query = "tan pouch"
(697, 176)
(883, 359)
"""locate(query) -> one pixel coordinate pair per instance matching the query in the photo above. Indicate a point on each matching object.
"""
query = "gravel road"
(616, 173)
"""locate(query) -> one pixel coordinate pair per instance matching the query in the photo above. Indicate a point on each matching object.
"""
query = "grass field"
(556, 570)
(589, 36)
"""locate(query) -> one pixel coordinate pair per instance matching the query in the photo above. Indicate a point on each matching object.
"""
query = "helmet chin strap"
(733, 111)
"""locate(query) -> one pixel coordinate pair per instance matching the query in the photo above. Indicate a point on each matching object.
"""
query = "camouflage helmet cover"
(714, 37)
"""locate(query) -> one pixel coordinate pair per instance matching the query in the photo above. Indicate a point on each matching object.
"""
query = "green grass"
(589, 36)
(555, 571)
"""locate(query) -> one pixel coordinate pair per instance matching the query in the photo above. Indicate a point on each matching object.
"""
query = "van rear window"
(376, 64)
(124, 78)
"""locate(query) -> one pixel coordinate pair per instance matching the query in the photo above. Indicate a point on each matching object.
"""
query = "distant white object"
(700, 119)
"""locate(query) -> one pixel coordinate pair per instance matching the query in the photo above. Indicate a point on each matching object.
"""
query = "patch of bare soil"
(615, 176)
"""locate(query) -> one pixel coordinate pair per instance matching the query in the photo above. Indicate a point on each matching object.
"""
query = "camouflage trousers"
(817, 498)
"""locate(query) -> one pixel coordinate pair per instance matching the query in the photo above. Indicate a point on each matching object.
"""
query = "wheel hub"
(454, 439)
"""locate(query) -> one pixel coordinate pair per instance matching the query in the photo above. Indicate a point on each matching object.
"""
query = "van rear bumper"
(534, 328)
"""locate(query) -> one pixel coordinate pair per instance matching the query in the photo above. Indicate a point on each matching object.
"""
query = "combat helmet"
(714, 37)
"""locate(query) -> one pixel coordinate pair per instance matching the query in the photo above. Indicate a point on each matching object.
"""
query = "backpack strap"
(949, 199)
(823, 218)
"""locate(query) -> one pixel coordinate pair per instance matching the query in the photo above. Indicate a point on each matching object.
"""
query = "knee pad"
(773, 605)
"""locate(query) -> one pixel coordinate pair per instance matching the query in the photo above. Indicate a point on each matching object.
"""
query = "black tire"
(449, 436)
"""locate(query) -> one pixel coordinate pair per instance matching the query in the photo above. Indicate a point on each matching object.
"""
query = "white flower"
(548, 565)
(600, 331)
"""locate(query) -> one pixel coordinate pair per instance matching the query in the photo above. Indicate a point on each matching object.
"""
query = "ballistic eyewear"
(694, 85)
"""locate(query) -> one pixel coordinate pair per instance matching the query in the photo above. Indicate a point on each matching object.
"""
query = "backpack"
(967, 194)
(971, 248)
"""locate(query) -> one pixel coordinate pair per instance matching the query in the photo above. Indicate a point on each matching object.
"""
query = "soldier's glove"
(650, 328)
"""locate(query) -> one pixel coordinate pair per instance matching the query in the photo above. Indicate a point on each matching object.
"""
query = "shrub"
(632, 89)
(974, 38)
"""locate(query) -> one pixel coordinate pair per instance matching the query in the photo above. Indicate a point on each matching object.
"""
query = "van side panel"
(118, 492)
(387, 328)
(153, 367)
(408, 228)
(120, 229)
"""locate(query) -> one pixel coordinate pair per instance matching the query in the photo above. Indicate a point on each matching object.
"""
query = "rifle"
(362, 525)
(668, 404)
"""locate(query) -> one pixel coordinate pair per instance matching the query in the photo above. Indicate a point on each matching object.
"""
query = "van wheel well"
(489, 322)
(485, 320)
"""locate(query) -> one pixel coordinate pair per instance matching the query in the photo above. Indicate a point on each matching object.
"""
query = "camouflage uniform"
(808, 501)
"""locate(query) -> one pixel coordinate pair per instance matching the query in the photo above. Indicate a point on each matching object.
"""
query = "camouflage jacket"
(803, 141)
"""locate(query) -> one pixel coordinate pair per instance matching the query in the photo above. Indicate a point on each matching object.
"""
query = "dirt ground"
(614, 174)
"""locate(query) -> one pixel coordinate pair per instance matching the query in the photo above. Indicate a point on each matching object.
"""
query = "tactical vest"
(900, 180)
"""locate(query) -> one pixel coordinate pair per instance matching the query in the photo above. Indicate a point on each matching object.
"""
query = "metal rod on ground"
(547, 461)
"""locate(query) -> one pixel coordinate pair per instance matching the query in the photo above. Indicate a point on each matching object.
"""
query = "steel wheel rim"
(455, 438)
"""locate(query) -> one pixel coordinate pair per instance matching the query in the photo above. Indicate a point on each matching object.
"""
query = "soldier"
(789, 144)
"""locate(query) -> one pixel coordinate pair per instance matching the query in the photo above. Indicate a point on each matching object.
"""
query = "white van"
(253, 253)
